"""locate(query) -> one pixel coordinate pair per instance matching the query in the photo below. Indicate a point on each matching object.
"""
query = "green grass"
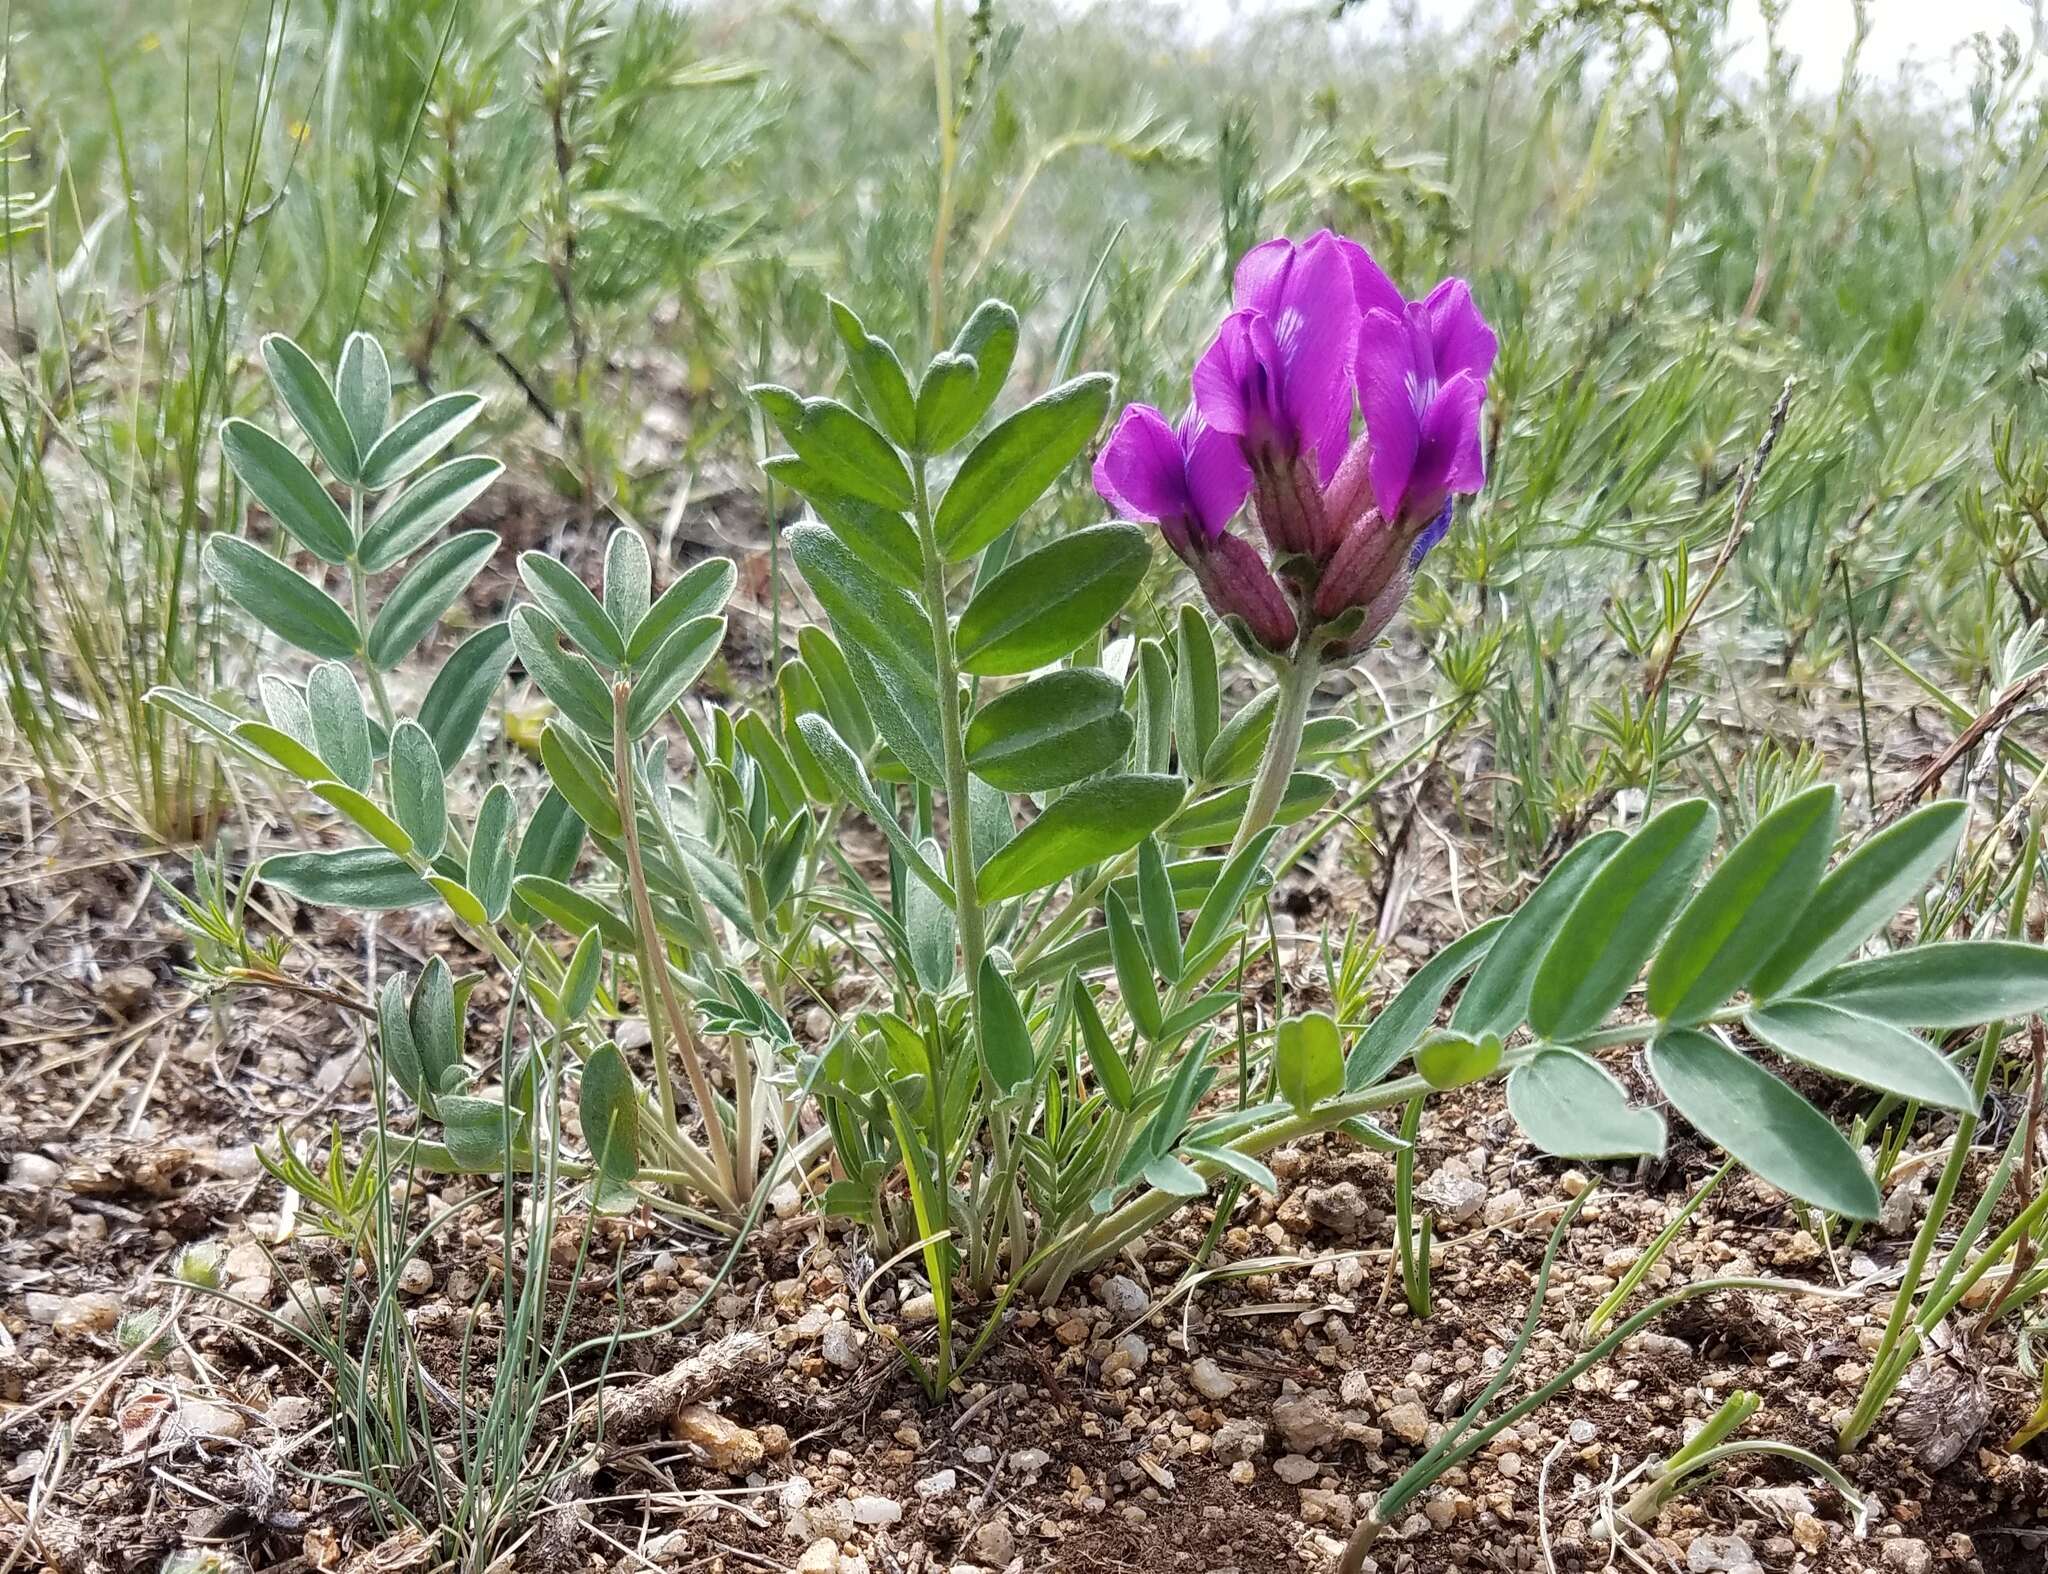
(536, 205)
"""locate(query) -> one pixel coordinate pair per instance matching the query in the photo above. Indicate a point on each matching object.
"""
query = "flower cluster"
(1318, 335)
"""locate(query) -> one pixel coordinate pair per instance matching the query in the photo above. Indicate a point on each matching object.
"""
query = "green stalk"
(1603, 1314)
(1283, 746)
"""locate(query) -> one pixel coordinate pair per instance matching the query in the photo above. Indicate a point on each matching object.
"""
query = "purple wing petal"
(1462, 340)
(1261, 276)
(1139, 471)
(1369, 281)
(1385, 364)
(1449, 459)
(1317, 334)
(1218, 479)
(1219, 380)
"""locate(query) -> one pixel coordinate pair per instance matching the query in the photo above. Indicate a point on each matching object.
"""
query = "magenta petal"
(1449, 458)
(1316, 331)
(1218, 479)
(1459, 335)
(1369, 281)
(1219, 376)
(1261, 275)
(1139, 471)
(1385, 398)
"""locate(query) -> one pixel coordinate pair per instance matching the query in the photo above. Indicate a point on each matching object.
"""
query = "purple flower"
(1421, 378)
(1191, 482)
(1278, 376)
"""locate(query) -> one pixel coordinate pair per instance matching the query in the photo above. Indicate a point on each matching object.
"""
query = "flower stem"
(1283, 746)
(656, 988)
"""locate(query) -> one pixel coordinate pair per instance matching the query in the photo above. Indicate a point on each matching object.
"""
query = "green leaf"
(394, 1039)
(579, 776)
(671, 670)
(579, 978)
(1617, 921)
(1235, 753)
(418, 799)
(548, 847)
(840, 448)
(370, 879)
(1052, 601)
(1166, 1173)
(341, 730)
(1218, 914)
(419, 435)
(1111, 1074)
(567, 600)
(1736, 1103)
(1862, 1049)
(429, 589)
(1133, 968)
(490, 852)
(362, 387)
(461, 900)
(569, 681)
(1197, 698)
(286, 750)
(1861, 894)
(461, 691)
(292, 608)
(1055, 730)
(1308, 1060)
(1246, 1168)
(1497, 999)
(991, 822)
(1153, 704)
(1403, 1020)
(289, 492)
(406, 521)
(1161, 911)
(482, 1134)
(929, 926)
(886, 641)
(303, 388)
(960, 386)
(843, 705)
(628, 581)
(1096, 820)
(878, 374)
(840, 763)
(1006, 471)
(702, 591)
(1004, 1035)
(1747, 907)
(563, 904)
(365, 814)
(608, 1106)
(880, 537)
(1212, 821)
(1451, 1060)
(1956, 983)
(1569, 1106)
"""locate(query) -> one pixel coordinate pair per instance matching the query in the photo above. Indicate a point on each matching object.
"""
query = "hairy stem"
(1283, 746)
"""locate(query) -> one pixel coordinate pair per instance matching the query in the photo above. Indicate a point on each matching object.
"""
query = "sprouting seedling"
(1710, 1451)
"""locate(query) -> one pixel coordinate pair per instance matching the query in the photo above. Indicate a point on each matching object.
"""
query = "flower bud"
(1239, 585)
(1289, 505)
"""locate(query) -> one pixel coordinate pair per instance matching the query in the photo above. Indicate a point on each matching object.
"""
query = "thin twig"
(1738, 528)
